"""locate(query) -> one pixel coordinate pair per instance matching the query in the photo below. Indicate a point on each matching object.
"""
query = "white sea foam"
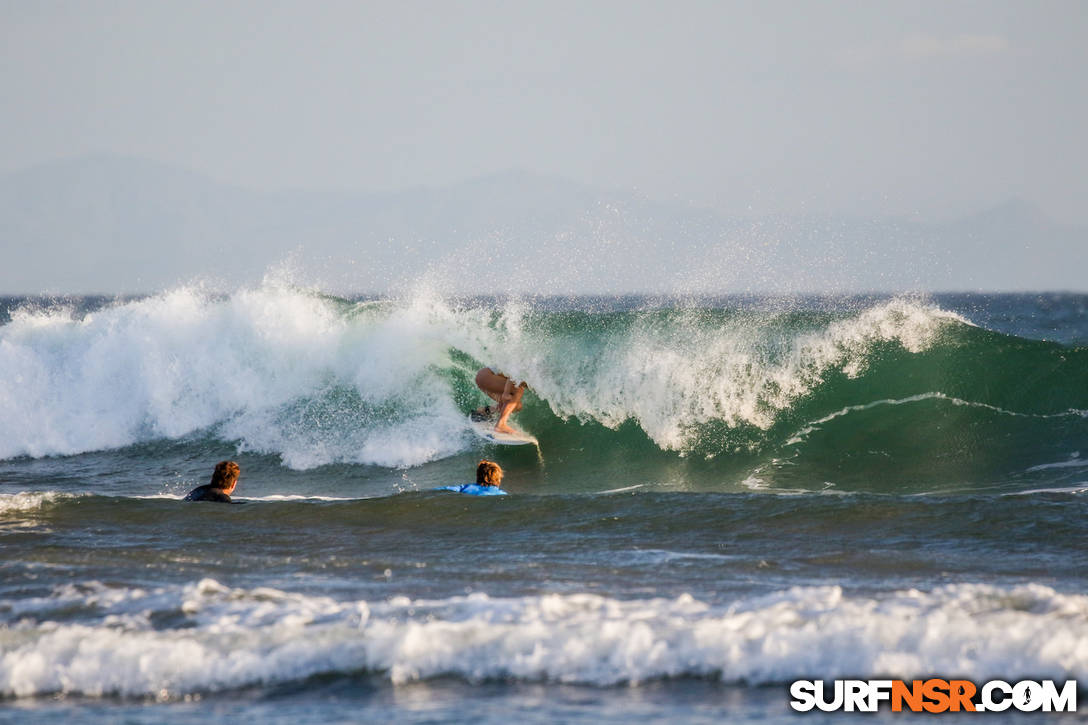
(245, 637)
(815, 425)
(672, 375)
(1075, 461)
(317, 380)
(298, 497)
(1080, 488)
(11, 503)
(664, 556)
(624, 489)
(280, 370)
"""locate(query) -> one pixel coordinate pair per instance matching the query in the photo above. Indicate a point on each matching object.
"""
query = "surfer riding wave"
(505, 391)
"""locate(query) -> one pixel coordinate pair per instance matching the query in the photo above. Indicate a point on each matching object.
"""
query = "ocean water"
(729, 494)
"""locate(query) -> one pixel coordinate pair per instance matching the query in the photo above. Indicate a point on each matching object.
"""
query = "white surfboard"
(486, 430)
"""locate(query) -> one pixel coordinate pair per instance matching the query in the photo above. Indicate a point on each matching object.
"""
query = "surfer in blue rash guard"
(505, 391)
(488, 480)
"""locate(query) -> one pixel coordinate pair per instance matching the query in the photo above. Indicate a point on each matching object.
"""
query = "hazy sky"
(926, 108)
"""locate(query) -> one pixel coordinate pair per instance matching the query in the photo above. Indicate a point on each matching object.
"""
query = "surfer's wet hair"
(225, 474)
(488, 473)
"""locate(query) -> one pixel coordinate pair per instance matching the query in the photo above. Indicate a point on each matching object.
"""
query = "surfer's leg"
(504, 413)
(512, 404)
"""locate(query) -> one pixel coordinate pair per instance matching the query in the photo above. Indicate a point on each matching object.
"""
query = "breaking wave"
(318, 380)
(93, 639)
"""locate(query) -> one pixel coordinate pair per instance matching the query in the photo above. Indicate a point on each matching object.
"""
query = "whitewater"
(729, 494)
(321, 380)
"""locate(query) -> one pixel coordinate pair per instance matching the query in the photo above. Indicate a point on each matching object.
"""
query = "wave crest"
(319, 380)
(238, 637)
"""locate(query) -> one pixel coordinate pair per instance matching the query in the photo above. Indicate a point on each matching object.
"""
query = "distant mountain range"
(112, 224)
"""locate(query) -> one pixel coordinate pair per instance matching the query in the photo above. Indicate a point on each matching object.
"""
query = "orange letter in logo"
(961, 692)
(912, 695)
(937, 692)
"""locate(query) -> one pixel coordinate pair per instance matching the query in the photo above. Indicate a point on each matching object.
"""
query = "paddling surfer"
(505, 391)
(488, 481)
(224, 480)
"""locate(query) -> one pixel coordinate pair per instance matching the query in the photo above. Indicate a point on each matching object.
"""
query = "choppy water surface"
(729, 494)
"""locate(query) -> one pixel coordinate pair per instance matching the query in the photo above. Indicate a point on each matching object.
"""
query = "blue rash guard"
(474, 489)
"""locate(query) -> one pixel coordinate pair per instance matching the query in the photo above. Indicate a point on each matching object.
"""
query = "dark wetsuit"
(484, 413)
(207, 493)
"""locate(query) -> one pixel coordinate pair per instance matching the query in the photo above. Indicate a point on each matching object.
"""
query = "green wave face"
(900, 396)
(893, 395)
